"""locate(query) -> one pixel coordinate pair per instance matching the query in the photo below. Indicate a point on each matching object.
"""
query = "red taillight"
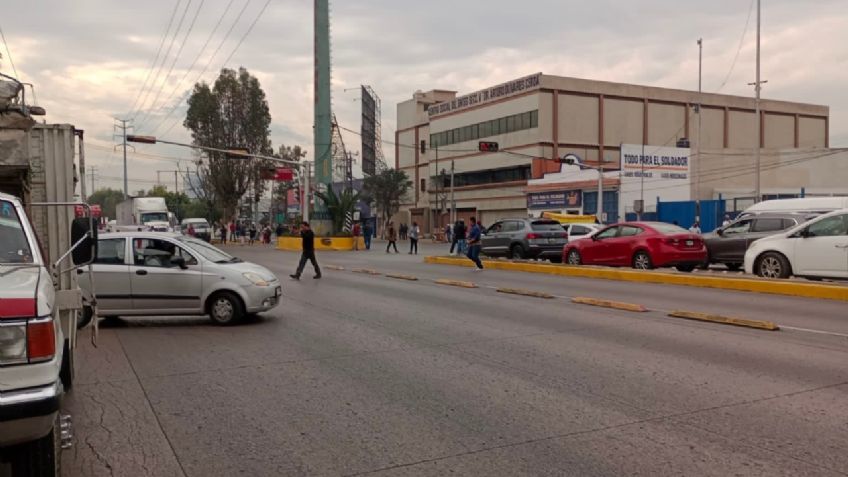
(41, 340)
(672, 241)
(532, 236)
(17, 307)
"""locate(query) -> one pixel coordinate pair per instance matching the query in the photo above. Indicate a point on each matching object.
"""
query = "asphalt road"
(360, 374)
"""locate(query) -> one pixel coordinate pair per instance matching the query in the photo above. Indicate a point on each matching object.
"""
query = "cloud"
(89, 59)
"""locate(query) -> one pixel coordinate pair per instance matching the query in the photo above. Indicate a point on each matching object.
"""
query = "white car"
(816, 249)
(580, 230)
(149, 273)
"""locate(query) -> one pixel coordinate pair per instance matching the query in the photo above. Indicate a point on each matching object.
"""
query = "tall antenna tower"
(373, 160)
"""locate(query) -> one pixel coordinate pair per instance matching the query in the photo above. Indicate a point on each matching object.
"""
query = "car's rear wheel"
(517, 252)
(773, 265)
(574, 258)
(85, 317)
(642, 261)
(225, 308)
(685, 268)
(733, 267)
(39, 458)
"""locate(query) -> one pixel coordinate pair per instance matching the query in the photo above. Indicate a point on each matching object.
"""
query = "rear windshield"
(546, 226)
(667, 229)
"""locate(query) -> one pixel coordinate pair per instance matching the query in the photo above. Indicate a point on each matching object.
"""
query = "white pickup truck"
(35, 357)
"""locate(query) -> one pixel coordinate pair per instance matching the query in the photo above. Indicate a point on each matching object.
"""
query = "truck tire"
(85, 317)
(39, 458)
(67, 373)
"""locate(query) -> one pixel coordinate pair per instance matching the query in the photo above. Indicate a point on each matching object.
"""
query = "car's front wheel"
(225, 308)
(573, 257)
(773, 265)
(517, 252)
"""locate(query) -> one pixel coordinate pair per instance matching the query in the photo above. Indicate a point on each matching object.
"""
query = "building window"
(494, 127)
(534, 119)
(423, 185)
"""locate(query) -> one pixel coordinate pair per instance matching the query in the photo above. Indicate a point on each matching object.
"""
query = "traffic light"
(486, 146)
(141, 139)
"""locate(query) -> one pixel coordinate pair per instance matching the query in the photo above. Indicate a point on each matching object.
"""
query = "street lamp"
(572, 159)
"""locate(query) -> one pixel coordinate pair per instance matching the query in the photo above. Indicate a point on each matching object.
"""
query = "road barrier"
(402, 277)
(758, 285)
(691, 315)
(618, 305)
(517, 291)
(455, 283)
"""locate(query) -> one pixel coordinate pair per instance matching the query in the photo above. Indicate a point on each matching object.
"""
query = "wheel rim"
(642, 262)
(573, 258)
(223, 310)
(770, 267)
(516, 252)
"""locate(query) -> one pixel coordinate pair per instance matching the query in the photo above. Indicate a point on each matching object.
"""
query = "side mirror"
(86, 251)
(804, 233)
(179, 261)
(595, 238)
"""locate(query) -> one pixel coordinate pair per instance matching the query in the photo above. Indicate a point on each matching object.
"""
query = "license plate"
(690, 243)
(278, 291)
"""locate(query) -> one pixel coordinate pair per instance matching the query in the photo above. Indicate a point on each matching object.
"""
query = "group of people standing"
(238, 232)
(413, 233)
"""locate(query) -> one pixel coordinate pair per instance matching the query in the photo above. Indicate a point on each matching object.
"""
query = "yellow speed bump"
(455, 283)
(517, 291)
(402, 277)
(609, 304)
(758, 324)
(367, 271)
(333, 267)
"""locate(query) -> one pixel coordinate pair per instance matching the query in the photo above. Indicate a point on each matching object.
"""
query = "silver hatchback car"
(149, 273)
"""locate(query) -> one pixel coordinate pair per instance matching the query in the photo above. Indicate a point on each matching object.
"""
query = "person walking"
(695, 228)
(726, 221)
(414, 232)
(366, 234)
(392, 235)
(460, 232)
(356, 232)
(223, 234)
(307, 237)
(474, 244)
(453, 237)
(251, 234)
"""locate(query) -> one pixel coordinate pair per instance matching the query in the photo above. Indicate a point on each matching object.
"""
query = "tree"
(176, 202)
(385, 190)
(339, 205)
(234, 113)
(107, 199)
(295, 154)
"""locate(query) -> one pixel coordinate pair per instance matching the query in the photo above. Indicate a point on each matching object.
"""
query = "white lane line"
(818, 332)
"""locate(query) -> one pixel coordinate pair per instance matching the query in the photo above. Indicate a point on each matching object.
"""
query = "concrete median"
(774, 287)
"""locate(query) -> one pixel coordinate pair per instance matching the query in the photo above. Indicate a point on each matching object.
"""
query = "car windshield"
(207, 251)
(546, 226)
(14, 247)
(154, 217)
(667, 229)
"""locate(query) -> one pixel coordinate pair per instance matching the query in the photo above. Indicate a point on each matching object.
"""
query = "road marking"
(727, 320)
(517, 291)
(334, 267)
(367, 271)
(618, 305)
(402, 277)
(818, 332)
(455, 283)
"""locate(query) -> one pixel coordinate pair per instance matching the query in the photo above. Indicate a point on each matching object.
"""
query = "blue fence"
(683, 213)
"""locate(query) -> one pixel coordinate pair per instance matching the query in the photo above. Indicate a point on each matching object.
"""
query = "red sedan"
(642, 245)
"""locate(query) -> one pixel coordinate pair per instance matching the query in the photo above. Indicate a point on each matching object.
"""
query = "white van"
(812, 205)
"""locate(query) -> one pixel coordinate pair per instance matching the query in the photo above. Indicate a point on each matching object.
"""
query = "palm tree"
(339, 205)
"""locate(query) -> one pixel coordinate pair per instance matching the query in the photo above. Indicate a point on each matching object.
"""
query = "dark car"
(727, 244)
(643, 245)
(525, 238)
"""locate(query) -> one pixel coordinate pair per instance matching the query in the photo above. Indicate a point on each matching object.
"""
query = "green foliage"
(107, 199)
(385, 190)
(176, 202)
(338, 205)
(234, 113)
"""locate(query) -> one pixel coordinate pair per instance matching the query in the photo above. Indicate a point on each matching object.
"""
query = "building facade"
(539, 118)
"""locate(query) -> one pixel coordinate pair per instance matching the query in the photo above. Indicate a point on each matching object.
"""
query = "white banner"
(662, 172)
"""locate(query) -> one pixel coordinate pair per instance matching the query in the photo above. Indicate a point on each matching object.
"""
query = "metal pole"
(698, 146)
(436, 217)
(757, 192)
(79, 133)
(306, 192)
(601, 193)
(126, 189)
(453, 202)
(641, 180)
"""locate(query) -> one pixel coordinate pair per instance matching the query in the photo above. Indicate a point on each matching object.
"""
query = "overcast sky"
(89, 59)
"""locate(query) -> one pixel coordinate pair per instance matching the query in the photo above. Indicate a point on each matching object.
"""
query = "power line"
(164, 59)
(193, 63)
(153, 105)
(155, 59)
(8, 52)
(739, 48)
(205, 68)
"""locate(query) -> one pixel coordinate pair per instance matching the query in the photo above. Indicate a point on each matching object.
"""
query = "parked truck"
(147, 213)
(42, 246)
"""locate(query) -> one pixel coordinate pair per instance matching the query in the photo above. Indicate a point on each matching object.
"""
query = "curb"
(455, 283)
(402, 277)
(516, 291)
(773, 287)
(758, 324)
(617, 305)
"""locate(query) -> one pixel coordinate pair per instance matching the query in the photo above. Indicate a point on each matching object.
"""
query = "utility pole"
(698, 146)
(757, 86)
(306, 192)
(123, 126)
(453, 202)
(92, 170)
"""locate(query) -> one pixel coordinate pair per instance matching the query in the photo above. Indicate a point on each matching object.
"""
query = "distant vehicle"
(580, 230)
(817, 205)
(727, 245)
(137, 213)
(201, 227)
(524, 238)
(815, 249)
(145, 273)
(642, 245)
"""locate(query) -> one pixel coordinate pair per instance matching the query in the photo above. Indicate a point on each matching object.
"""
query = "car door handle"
(141, 272)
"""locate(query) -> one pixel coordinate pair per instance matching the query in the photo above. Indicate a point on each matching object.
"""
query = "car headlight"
(255, 279)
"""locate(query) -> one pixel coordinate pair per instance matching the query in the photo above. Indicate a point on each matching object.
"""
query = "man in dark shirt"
(308, 246)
